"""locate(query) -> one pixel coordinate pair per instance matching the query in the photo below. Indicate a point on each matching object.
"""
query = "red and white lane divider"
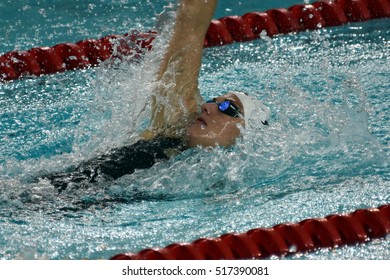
(91, 52)
(332, 231)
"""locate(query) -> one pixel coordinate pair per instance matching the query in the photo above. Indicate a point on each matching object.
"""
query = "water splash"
(325, 151)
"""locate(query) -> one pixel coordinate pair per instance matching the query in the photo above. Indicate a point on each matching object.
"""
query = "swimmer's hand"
(177, 100)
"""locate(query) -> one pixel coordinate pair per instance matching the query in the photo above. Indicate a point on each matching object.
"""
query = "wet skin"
(214, 128)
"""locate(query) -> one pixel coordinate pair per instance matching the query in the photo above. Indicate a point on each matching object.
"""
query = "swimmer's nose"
(209, 107)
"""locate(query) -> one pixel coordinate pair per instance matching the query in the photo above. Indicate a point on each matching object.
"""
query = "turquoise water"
(29, 23)
(326, 150)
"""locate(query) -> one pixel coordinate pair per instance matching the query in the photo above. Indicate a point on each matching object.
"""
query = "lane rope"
(281, 240)
(91, 52)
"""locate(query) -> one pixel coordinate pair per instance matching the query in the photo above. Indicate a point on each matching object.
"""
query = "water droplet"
(293, 249)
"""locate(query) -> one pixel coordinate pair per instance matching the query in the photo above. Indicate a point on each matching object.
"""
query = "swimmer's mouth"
(201, 121)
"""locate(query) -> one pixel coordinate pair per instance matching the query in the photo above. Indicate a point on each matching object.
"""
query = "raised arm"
(177, 97)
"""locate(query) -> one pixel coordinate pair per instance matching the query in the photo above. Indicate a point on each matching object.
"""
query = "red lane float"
(285, 20)
(332, 231)
(72, 56)
(7, 71)
(260, 22)
(217, 35)
(69, 56)
(238, 28)
(97, 51)
(91, 52)
(23, 63)
(309, 17)
(331, 13)
(48, 59)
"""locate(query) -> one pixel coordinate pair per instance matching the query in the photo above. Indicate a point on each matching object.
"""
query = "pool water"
(326, 149)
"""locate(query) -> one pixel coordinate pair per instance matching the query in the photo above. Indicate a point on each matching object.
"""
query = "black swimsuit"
(117, 162)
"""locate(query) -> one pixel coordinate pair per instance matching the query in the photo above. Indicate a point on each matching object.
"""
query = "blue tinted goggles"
(227, 107)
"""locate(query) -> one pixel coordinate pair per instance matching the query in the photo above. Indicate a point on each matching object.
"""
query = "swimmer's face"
(215, 128)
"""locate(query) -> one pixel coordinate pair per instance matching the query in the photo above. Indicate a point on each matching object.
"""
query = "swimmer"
(180, 119)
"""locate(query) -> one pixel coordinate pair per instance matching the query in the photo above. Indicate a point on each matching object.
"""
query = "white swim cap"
(254, 110)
